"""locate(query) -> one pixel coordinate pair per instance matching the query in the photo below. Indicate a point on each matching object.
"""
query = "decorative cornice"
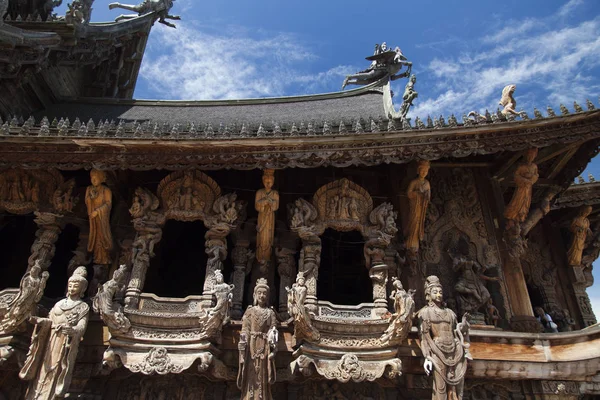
(42, 147)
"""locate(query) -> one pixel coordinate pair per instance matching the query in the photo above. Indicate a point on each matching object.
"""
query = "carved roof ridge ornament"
(160, 8)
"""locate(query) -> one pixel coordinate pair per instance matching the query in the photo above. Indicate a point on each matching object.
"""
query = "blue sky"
(464, 52)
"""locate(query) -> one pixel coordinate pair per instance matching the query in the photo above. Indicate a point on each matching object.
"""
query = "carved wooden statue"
(98, 199)
(266, 203)
(492, 315)
(212, 320)
(257, 347)
(404, 310)
(470, 288)
(444, 343)
(296, 298)
(55, 342)
(104, 303)
(419, 194)
(508, 102)
(526, 175)
(580, 228)
(24, 304)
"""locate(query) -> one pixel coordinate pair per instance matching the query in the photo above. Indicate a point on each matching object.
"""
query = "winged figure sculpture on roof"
(384, 62)
(160, 7)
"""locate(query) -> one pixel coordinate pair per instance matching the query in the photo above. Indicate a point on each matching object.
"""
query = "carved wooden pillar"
(43, 248)
(378, 272)
(286, 269)
(149, 232)
(241, 254)
(310, 259)
(585, 307)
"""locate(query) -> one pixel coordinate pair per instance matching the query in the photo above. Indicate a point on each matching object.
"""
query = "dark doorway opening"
(179, 266)
(56, 287)
(17, 234)
(343, 277)
(535, 296)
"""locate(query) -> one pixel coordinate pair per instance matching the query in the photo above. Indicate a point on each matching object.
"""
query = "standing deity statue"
(296, 299)
(526, 175)
(266, 203)
(213, 319)
(580, 228)
(257, 347)
(419, 194)
(444, 343)
(98, 199)
(404, 310)
(24, 304)
(55, 342)
(107, 306)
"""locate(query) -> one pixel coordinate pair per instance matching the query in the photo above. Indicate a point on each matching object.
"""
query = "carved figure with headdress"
(24, 304)
(257, 347)
(98, 199)
(106, 304)
(302, 320)
(404, 312)
(444, 343)
(213, 319)
(55, 343)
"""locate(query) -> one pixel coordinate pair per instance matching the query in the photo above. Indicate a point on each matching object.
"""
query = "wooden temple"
(306, 247)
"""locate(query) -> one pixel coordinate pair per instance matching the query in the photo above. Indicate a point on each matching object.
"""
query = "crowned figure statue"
(444, 343)
(257, 347)
(55, 342)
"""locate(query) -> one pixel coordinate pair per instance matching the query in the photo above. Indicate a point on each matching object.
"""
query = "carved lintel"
(348, 368)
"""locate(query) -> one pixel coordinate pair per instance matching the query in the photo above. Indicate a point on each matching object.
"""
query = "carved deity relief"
(266, 203)
(402, 318)
(257, 347)
(188, 195)
(98, 199)
(470, 288)
(343, 205)
(55, 343)
(26, 191)
(303, 328)
(456, 220)
(580, 229)
(444, 343)
(212, 320)
(419, 194)
(106, 304)
(526, 175)
(31, 289)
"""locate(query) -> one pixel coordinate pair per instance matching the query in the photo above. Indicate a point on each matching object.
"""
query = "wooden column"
(44, 246)
(241, 255)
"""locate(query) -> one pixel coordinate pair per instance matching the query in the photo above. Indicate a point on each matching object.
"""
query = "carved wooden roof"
(127, 146)
(579, 194)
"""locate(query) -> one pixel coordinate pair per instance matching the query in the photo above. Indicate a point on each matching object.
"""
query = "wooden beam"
(561, 162)
(506, 166)
(461, 165)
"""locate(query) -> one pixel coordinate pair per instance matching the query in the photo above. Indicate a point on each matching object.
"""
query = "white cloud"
(559, 64)
(569, 7)
(190, 63)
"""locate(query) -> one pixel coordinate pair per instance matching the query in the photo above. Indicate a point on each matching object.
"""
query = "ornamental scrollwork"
(157, 361)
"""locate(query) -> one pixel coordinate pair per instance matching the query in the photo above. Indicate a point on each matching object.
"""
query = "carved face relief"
(261, 296)
(74, 289)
